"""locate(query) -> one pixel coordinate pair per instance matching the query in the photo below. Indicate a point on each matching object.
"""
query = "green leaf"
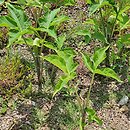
(69, 2)
(29, 41)
(92, 116)
(62, 82)
(59, 20)
(99, 56)
(57, 61)
(88, 1)
(65, 53)
(99, 36)
(13, 36)
(7, 22)
(84, 33)
(99, 5)
(125, 24)
(90, 111)
(87, 61)
(68, 55)
(87, 39)
(59, 86)
(70, 65)
(98, 120)
(108, 73)
(48, 18)
(124, 9)
(52, 33)
(2, 1)
(60, 41)
(18, 16)
(90, 22)
(3, 109)
(50, 46)
(23, 2)
(125, 39)
(94, 8)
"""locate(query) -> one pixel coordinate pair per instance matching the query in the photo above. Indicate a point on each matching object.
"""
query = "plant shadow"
(33, 111)
(100, 91)
(42, 113)
(63, 114)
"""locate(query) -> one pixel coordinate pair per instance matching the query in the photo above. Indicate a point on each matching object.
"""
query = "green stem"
(114, 23)
(112, 30)
(89, 91)
(37, 63)
(103, 23)
(81, 108)
(107, 42)
(109, 39)
(38, 67)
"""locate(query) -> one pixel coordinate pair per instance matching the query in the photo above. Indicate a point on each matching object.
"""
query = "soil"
(105, 94)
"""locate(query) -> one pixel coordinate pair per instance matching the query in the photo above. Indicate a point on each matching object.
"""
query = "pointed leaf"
(57, 61)
(87, 61)
(65, 53)
(99, 36)
(92, 116)
(68, 56)
(59, 20)
(7, 21)
(84, 33)
(99, 56)
(125, 39)
(18, 16)
(52, 33)
(87, 39)
(62, 82)
(99, 5)
(13, 36)
(50, 46)
(70, 65)
(108, 73)
(46, 20)
(94, 8)
(60, 41)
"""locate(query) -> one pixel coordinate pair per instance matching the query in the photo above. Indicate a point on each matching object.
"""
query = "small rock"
(124, 100)
(33, 103)
(124, 109)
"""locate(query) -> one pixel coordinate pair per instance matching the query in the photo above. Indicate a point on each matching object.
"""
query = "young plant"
(63, 59)
(93, 64)
(108, 19)
(21, 31)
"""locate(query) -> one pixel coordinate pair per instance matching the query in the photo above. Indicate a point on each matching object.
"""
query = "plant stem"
(103, 23)
(89, 91)
(37, 63)
(81, 108)
(107, 62)
(38, 67)
(114, 23)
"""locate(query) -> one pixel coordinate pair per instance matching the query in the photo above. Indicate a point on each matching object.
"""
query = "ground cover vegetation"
(39, 67)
